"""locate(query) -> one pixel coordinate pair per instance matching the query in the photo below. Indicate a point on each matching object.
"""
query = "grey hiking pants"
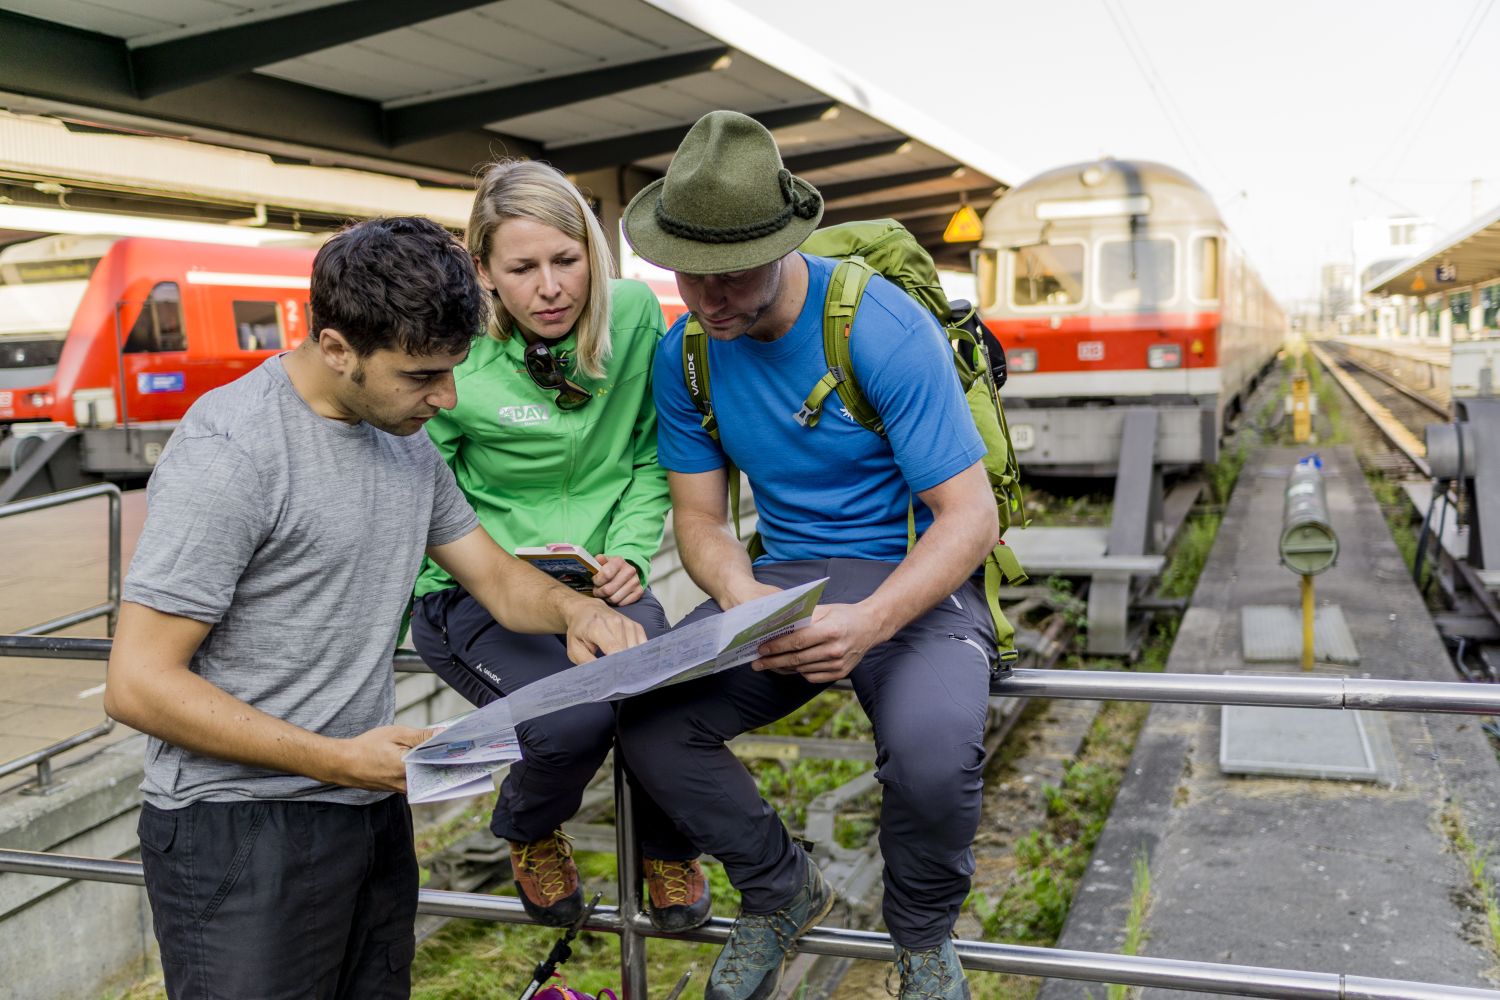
(926, 691)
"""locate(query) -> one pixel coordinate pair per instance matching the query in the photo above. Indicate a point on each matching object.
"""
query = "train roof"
(1098, 189)
(66, 246)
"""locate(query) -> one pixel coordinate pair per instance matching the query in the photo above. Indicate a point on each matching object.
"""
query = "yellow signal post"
(1309, 617)
(1301, 408)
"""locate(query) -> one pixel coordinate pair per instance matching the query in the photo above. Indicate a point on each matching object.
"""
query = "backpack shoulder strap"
(845, 289)
(695, 374)
(695, 377)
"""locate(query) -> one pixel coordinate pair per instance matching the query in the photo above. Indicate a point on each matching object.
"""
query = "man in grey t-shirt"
(287, 519)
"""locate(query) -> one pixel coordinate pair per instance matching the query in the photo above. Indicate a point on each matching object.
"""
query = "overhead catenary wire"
(1411, 127)
(1203, 162)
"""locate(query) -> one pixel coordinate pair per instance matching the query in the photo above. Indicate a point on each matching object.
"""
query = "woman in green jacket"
(554, 440)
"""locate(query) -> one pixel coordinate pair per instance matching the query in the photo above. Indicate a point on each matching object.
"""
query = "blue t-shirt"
(835, 490)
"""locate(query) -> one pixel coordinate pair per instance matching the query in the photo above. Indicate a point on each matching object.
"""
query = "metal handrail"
(983, 956)
(110, 610)
(632, 925)
(1326, 691)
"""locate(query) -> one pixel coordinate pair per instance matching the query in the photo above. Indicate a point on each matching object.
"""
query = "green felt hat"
(726, 203)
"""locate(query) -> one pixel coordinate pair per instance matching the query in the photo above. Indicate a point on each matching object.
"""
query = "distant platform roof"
(1467, 257)
(433, 89)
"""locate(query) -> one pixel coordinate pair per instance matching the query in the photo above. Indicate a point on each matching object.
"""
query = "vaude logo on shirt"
(530, 413)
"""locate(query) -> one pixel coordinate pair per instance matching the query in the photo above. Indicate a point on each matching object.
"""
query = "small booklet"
(564, 561)
(466, 756)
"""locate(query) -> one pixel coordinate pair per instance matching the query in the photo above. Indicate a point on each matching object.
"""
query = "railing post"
(628, 865)
(45, 785)
(114, 562)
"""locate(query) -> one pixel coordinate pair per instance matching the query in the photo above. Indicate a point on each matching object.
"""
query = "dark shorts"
(277, 900)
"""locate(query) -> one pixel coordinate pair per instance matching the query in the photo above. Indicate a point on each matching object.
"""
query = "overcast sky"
(1272, 105)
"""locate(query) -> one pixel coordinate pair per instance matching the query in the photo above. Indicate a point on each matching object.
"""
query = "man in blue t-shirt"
(911, 630)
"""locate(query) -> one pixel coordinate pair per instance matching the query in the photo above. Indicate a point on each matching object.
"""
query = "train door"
(154, 357)
(1138, 288)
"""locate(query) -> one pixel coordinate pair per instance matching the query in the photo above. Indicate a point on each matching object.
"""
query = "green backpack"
(885, 247)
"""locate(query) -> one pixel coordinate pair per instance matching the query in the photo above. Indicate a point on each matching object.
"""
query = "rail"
(46, 782)
(1400, 437)
(111, 608)
(633, 927)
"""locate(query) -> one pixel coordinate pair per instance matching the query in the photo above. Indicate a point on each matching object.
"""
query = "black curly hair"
(403, 282)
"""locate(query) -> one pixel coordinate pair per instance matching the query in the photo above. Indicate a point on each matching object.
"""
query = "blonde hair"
(526, 189)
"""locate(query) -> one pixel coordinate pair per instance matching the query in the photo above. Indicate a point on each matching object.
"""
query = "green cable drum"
(1308, 542)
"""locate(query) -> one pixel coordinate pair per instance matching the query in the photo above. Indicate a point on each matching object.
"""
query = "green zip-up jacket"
(536, 474)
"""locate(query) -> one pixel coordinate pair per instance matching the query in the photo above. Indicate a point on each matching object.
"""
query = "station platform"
(1429, 352)
(1335, 876)
(57, 562)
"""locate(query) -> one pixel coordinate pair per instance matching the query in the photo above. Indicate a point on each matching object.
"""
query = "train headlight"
(1164, 356)
(39, 398)
(1020, 359)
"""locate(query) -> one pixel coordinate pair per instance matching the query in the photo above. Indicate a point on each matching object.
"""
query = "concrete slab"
(1272, 633)
(1328, 877)
(52, 724)
(1303, 743)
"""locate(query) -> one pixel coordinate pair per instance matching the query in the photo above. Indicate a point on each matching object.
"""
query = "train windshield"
(1047, 274)
(34, 321)
(1138, 273)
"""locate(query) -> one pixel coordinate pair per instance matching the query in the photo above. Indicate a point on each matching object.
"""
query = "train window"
(1137, 274)
(1206, 268)
(258, 325)
(1047, 274)
(158, 328)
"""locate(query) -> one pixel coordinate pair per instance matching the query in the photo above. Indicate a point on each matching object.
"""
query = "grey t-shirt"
(298, 538)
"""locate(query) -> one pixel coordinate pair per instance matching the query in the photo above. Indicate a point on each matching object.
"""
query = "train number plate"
(1091, 350)
(1022, 437)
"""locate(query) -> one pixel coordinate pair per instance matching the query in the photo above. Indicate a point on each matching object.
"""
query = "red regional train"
(1115, 284)
(98, 332)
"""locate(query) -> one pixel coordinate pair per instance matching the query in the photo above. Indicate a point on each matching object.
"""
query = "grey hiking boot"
(749, 967)
(933, 974)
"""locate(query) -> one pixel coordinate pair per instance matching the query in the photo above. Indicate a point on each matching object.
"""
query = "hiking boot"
(933, 974)
(678, 893)
(749, 967)
(547, 879)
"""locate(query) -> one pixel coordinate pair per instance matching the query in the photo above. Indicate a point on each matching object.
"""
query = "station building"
(1449, 291)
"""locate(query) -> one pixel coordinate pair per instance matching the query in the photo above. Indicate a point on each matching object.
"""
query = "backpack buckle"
(807, 416)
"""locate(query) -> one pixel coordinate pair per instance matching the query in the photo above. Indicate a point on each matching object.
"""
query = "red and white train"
(98, 332)
(1112, 285)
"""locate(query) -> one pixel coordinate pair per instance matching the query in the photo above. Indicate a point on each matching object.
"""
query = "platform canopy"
(1461, 259)
(431, 89)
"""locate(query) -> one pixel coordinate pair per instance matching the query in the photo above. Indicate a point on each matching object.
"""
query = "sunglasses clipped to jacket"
(546, 371)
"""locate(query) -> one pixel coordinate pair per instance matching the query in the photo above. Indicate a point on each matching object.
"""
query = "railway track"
(1398, 413)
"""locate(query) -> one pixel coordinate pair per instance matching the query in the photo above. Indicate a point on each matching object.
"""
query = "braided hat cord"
(798, 204)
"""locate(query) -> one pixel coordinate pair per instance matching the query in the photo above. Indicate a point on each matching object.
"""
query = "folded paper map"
(463, 758)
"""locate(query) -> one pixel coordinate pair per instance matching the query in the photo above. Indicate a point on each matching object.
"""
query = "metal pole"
(1367, 693)
(112, 607)
(982, 956)
(628, 866)
(114, 559)
(1309, 612)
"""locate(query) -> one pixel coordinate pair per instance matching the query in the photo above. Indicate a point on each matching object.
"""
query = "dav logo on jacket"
(530, 413)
